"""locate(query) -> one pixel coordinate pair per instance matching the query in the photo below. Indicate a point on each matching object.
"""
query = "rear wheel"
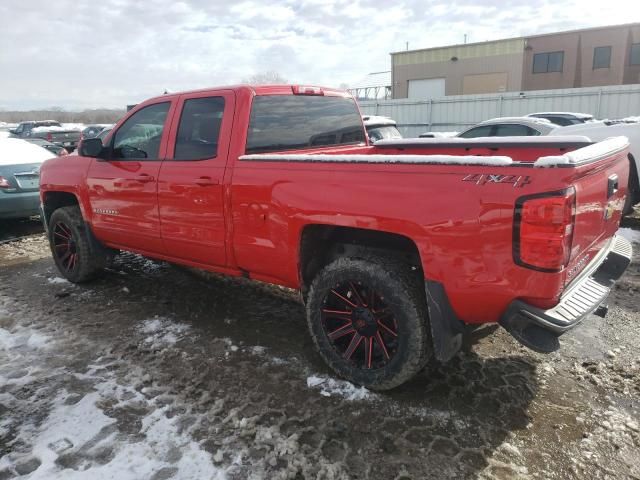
(79, 258)
(368, 321)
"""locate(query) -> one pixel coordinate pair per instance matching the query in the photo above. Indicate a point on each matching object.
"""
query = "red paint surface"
(252, 215)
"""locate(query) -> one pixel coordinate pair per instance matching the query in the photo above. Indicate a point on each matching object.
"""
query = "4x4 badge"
(484, 178)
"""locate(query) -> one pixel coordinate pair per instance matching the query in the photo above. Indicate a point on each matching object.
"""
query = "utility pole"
(465, 38)
(407, 46)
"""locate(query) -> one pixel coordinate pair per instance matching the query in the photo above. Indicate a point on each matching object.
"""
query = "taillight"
(543, 230)
(4, 183)
(306, 90)
(49, 137)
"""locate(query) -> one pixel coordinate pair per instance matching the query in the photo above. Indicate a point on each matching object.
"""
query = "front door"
(190, 185)
(123, 186)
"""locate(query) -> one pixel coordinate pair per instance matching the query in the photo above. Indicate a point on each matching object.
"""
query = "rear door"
(123, 187)
(190, 185)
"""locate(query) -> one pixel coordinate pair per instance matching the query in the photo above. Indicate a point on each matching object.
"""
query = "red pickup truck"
(395, 247)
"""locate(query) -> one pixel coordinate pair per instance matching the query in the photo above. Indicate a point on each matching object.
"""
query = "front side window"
(548, 62)
(484, 131)
(291, 122)
(139, 137)
(601, 57)
(199, 129)
(635, 54)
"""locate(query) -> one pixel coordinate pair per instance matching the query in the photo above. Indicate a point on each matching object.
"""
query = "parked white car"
(380, 128)
(602, 130)
(594, 130)
(564, 119)
(510, 127)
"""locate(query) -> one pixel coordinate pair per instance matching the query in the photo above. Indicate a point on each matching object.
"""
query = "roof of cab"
(281, 89)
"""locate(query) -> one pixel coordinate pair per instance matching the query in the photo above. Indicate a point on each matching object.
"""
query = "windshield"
(385, 132)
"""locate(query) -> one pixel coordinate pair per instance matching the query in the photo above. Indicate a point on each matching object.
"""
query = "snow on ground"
(331, 387)
(74, 126)
(162, 332)
(632, 235)
(57, 280)
(71, 435)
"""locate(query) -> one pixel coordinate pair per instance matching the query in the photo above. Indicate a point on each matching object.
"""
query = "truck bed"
(463, 196)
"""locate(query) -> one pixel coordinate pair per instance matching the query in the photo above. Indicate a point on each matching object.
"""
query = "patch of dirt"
(170, 376)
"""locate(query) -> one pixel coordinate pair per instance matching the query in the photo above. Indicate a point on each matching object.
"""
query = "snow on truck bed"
(484, 140)
(14, 151)
(584, 154)
(589, 152)
(356, 158)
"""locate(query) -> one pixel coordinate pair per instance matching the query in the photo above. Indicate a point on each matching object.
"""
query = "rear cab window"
(294, 122)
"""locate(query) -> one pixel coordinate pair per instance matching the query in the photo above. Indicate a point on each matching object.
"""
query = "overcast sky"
(86, 54)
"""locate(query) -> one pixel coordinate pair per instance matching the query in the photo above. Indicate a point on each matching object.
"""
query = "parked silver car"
(20, 163)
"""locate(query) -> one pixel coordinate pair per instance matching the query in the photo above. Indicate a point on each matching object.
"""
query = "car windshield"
(385, 132)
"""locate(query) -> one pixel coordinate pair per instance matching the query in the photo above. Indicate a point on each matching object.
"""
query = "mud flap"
(446, 327)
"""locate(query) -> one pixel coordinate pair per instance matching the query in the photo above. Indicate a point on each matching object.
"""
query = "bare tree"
(57, 113)
(265, 78)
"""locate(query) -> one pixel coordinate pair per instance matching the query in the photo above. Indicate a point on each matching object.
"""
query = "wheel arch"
(320, 244)
(52, 200)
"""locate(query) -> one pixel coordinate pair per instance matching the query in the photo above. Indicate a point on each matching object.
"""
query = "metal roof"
(372, 80)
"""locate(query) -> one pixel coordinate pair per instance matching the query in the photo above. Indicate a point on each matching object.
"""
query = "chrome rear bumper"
(582, 298)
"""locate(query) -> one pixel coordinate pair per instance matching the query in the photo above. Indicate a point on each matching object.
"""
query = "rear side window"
(484, 131)
(515, 130)
(139, 137)
(290, 122)
(199, 129)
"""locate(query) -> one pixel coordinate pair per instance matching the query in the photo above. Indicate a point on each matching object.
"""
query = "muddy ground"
(150, 373)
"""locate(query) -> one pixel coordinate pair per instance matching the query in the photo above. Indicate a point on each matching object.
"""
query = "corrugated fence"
(456, 112)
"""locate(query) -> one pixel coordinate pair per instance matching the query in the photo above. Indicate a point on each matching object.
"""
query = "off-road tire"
(92, 257)
(404, 295)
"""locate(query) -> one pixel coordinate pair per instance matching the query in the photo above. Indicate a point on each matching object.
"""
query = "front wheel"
(368, 321)
(75, 253)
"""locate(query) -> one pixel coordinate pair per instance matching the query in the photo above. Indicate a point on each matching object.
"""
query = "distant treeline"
(86, 116)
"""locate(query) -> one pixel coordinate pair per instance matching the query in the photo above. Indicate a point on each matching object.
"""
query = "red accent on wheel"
(64, 246)
(359, 325)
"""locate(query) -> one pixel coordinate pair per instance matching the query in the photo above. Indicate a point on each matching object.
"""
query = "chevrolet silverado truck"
(395, 247)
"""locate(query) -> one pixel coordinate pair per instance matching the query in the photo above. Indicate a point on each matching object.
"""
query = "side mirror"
(90, 147)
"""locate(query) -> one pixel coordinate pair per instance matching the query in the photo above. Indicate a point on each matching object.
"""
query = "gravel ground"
(150, 373)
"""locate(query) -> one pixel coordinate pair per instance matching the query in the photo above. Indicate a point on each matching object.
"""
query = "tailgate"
(599, 175)
(21, 178)
(64, 137)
